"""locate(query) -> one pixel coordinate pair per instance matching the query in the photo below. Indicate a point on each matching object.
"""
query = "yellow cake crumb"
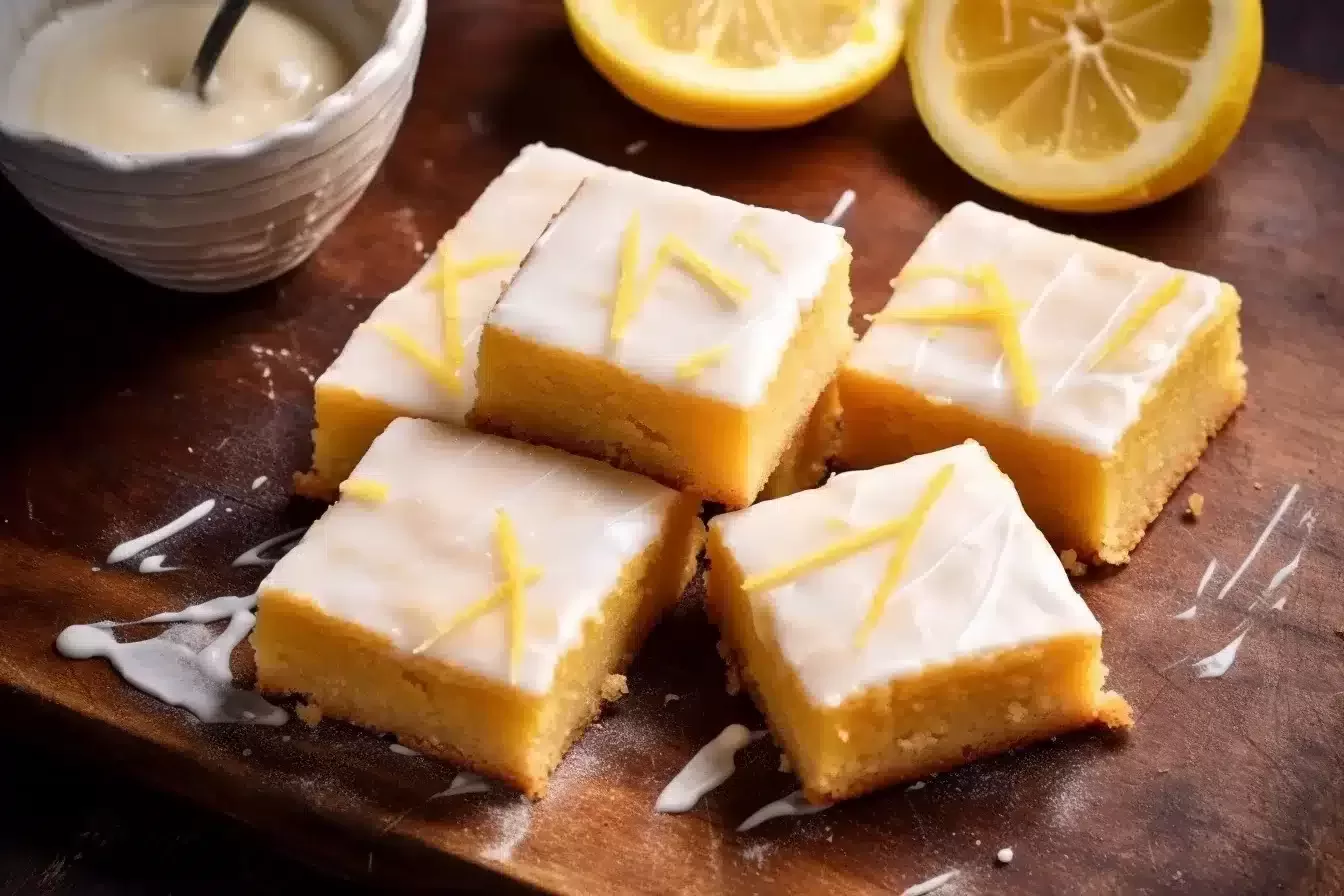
(614, 687)
(309, 713)
(1195, 506)
(1072, 565)
(784, 765)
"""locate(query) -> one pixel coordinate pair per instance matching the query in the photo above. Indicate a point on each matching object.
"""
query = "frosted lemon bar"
(416, 354)
(682, 335)
(471, 594)
(903, 620)
(1095, 378)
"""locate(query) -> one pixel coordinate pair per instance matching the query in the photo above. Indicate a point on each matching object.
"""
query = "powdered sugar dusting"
(512, 821)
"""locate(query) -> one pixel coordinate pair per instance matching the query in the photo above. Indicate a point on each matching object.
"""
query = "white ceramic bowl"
(223, 219)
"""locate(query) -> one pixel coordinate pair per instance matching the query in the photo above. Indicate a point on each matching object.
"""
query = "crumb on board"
(309, 713)
(1257, 486)
(1071, 562)
(1195, 506)
(784, 765)
(614, 687)
(732, 682)
(637, 147)
(1005, 855)
(668, 698)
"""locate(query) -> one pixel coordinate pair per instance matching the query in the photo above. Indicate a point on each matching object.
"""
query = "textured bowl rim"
(403, 31)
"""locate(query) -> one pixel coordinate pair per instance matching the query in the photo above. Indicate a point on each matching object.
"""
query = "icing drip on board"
(707, 769)
(154, 564)
(128, 549)
(792, 806)
(933, 883)
(184, 666)
(283, 542)
(1216, 665)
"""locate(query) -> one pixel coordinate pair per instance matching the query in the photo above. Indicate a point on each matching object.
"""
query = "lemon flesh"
(740, 64)
(1084, 104)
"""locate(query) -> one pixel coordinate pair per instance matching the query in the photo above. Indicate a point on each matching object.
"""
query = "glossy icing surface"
(404, 566)
(564, 294)
(1075, 298)
(979, 576)
(507, 219)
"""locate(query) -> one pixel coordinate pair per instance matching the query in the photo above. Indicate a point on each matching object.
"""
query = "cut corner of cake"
(416, 354)
(685, 336)
(903, 620)
(474, 595)
(1094, 377)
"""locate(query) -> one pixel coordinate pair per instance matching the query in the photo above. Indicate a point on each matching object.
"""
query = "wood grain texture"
(131, 405)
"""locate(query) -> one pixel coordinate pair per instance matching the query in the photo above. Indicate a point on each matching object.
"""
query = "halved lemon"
(1085, 105)
(740, 64)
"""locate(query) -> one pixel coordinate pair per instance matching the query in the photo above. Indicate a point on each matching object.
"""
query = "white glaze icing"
(128, 549)
(934, 883)
(706, 770)
(1079, 295)
(842, 207)
(154, 564)
(1260, 542)
(507, 218)
(979, 577)
(1216, 665)
(1193, 610)
(402, 567)
(791, 806)
(560, 297)
(184, 666)
(282, 543)
(463, 783)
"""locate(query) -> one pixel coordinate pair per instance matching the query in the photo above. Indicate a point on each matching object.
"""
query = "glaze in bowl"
(227, 218)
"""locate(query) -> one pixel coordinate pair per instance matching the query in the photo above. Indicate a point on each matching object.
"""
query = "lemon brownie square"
(903, 620)
(678, 334)
(471, 594)
(1094, 377)
(416, 354)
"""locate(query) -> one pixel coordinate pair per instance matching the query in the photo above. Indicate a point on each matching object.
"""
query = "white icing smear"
(792, 806)
(128, 549)
(1204, 580)
(282, 542)
(1216, 665)
(842, 206)
(708, 768)
(1260, 542)
(402, 750)
(185, 666)
(259, 482)
(1286, 571)
(1188, 613)
(463, 784)
(154, 564)
(934, 883)
(1077, 296)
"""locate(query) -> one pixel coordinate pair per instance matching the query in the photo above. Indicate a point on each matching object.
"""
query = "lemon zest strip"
(506, 540)
(998, 310)
(913, 523)
(757, 246)
(437, 369)
(696, 363)
(676, 249)
(476, 610)
(364, 490)
(834, 552)
(629, 287)
(1130, 327)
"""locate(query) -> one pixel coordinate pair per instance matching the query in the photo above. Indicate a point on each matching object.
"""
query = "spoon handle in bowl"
(216, 39)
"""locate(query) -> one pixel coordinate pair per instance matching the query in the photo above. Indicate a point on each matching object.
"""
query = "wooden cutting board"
(129, 405)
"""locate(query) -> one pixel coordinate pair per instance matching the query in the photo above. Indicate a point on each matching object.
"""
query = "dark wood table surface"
(68, 828)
